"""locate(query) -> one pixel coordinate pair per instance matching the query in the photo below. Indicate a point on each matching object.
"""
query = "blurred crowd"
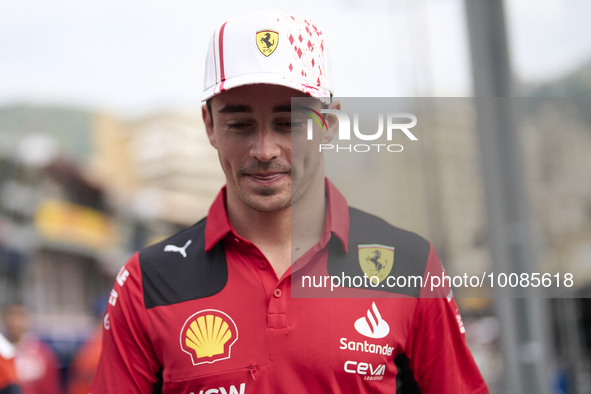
(31, 364)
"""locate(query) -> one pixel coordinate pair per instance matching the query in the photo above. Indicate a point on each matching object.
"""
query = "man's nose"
(266, 145)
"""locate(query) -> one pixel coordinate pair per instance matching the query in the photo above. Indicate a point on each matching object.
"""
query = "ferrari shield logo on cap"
(376, 260)
(267, 41)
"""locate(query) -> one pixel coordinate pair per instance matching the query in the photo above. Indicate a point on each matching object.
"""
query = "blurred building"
(80, 192)
(558, 142)
(75, 235)
(56, 235)
(159, 168)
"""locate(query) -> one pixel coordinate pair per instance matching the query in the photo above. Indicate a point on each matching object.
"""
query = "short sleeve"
(128, 363)
(438, 356)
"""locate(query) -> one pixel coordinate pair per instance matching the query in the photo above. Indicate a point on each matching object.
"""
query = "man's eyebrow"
(282, 108)
(231, 109)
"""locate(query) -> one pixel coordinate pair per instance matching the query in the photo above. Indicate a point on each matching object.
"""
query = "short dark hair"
(208, 103)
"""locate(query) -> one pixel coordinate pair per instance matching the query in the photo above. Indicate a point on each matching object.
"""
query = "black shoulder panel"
(410, 252)
(179, 269)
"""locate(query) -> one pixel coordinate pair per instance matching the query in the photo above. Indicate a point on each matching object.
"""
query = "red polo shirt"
(203, 312)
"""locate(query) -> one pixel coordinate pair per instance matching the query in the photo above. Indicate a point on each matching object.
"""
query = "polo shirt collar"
(337, 214)
(337, 218)
(217, 224)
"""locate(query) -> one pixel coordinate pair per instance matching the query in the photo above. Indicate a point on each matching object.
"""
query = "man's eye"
(237, 126)
(292, 125)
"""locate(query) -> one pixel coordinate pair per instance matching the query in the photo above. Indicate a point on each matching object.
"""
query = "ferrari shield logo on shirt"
(376, 260)
(267, 41)
(208, 335)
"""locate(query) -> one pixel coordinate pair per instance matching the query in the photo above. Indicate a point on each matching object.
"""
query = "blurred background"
(103, 151)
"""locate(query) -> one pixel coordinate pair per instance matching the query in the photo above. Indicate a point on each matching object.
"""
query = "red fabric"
(7, 373)
(222, 70)
(436, 338)
(283, 344)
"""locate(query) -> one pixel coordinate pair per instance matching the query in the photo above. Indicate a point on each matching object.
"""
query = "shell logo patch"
(208, 335)
(267, 41)
(376, 260)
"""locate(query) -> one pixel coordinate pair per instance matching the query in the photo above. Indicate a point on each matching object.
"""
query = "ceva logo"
(372, 326)
(392, 124)
(366, 369)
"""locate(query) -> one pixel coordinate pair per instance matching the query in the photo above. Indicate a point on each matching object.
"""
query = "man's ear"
(333, 123)
(208, 125)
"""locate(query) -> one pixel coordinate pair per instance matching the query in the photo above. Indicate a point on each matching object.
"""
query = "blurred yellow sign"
(74, 224)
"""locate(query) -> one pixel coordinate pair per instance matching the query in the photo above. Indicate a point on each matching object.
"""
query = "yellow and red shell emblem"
(208, 335)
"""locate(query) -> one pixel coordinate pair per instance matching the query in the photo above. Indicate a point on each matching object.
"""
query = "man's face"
(16, 320)
(252, 131)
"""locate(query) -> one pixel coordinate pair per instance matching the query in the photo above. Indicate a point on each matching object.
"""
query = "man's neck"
(261, 228)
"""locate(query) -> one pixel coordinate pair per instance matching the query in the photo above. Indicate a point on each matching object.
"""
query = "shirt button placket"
(277, 309)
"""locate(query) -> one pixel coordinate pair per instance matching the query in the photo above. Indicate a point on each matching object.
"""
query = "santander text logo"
(372, 326)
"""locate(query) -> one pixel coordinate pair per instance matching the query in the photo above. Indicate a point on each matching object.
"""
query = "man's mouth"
(267, 177)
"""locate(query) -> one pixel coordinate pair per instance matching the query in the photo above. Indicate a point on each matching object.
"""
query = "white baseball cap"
(268, 47)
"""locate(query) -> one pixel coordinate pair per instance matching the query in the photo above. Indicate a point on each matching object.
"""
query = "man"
(210, 310)
(37, 366)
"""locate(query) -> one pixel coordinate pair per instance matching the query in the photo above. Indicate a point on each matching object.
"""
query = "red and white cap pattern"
(298, 58)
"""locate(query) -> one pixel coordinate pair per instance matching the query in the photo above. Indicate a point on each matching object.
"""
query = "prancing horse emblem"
(174, 248)
(376, 260)
(267, 41)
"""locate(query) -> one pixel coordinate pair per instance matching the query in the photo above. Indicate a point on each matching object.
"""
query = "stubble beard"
(267, 199)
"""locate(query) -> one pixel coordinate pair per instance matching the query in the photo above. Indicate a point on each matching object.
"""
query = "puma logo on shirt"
(174, 248)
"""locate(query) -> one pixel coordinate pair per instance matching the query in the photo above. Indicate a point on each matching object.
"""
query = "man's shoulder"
(378, 249)
(364, 226)
(179, 269)
(180, 242)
